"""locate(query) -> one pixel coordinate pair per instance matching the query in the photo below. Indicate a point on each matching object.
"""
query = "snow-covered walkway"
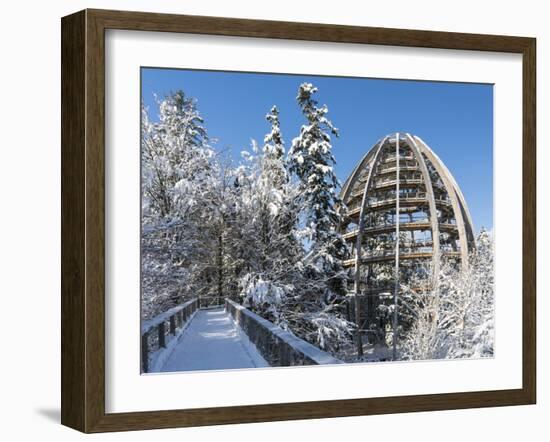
(212, 341)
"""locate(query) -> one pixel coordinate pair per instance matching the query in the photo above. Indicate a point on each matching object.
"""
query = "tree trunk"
(220, 267)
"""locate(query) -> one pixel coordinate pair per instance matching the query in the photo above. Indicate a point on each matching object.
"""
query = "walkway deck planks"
(212, 341)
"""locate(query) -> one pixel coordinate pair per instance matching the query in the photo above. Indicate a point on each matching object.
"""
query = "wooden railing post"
(176, 317)
(162, 339)
(145, 352)
(173, 325)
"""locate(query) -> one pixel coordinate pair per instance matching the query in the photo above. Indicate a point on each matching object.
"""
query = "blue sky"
(454, 119)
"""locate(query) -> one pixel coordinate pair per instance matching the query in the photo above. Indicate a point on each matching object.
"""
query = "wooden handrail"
(415, 225)
(211, 301)
(178, 315)
(277, 346)
(389, 256)
(148, 324)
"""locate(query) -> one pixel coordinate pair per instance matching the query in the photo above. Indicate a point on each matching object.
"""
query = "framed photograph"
(267, 220)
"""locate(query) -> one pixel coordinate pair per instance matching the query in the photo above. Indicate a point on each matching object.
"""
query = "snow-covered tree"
(178, 175)
(175, 152)
(229, 231)
(274, 151)
(314, 311)
(312, 162)
(210, 228)
(268, 221)
(275, 282)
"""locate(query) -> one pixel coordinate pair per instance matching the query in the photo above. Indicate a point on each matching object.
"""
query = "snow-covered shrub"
(326, 329)
(455, 319)
(265, 298)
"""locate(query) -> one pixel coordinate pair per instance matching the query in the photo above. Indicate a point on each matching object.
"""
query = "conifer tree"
(312, 161)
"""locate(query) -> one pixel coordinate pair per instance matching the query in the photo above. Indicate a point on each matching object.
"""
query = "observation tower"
(404, 210)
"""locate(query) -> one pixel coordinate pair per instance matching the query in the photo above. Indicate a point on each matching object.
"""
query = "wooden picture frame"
(83, 220)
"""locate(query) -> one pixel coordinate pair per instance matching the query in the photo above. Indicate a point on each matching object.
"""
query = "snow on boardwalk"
(212, 341)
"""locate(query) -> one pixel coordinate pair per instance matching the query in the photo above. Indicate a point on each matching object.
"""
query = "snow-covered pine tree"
(285, 251)
(269, 220)
(274, 150)
(312, 162)
(322, 282)
(276, 196)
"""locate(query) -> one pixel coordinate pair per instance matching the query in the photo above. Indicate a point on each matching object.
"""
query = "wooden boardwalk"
(212, 341)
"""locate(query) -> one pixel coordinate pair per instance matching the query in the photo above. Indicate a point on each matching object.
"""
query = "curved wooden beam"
(357, 277)
(361, 226)
(434, 221)
(457, 200)
(348, 184)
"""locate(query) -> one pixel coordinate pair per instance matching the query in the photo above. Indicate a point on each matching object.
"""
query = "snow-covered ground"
(212, 341)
